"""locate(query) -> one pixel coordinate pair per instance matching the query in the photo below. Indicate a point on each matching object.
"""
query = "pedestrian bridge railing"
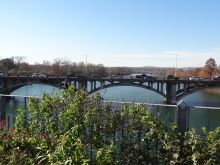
(185, 116)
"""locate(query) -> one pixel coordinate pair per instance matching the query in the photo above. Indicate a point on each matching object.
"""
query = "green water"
(198, 118)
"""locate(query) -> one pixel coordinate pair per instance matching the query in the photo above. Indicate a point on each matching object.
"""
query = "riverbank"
(213, 91)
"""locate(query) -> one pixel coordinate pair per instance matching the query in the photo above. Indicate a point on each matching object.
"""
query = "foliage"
(209, 68)
(7, 64)
(74, 128)
(213, 91)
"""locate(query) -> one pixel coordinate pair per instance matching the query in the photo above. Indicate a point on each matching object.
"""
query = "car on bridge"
(216, 78)
(82, 76)
(95, 76)
(172, 77)
(150, 77)
(195, 78)
(140, 75)
(72, 75)
(38, 75)
(115, 76)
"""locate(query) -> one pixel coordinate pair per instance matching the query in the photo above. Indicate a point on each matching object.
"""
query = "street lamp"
(176, 65)
(86, 64)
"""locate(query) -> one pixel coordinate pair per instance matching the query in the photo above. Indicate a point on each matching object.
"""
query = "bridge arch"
(180, 97)
(127, 85)
(169, 89)
(172, 91)
(13, 88)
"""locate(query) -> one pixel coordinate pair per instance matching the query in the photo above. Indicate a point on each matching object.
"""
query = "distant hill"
(150, 69)
(155, 67)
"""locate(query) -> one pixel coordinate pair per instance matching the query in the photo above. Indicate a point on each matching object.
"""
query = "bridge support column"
(4, 84)
(195, 86)
(161, 88)
(82, 84)
(171, 93)
(95, 84)
(74, 83)
(60, 84)
(2, 108)
(158, 89)
(185, 87)
(178, 86)
(91, 85)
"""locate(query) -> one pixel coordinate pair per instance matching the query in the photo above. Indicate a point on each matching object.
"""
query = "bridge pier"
(2, 107)
(82, 84)
(4, 84)
(171, 93)
(161, 87)
(60, 84)
(92, 86)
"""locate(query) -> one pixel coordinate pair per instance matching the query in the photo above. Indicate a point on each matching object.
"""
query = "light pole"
(176, 65)
(86, 64)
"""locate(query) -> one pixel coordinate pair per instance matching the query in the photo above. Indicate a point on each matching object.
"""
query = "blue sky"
(115, 33)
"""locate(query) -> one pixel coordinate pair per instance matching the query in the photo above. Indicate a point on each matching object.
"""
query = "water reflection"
(35, 90)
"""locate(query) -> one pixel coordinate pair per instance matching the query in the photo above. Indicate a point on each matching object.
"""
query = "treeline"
(16, 65)
(60, 66)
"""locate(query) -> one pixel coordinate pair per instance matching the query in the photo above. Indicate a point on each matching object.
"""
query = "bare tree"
(72, 68)
(100, 69)
(17, 61)
(171, 71)
(65, 65)
(55, 68)
(217, 71)
(81, 68)
(24, 68)
(46, 67)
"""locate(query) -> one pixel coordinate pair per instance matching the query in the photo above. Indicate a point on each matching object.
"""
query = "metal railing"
(167, 113)
(197, 116)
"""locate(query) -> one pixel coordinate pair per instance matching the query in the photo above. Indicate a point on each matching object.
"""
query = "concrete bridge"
(171, 90)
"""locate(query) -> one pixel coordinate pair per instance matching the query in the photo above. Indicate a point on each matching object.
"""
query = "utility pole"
(86, 64)
(176, 66)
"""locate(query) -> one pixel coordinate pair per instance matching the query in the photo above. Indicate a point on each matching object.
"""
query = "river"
(197, 117)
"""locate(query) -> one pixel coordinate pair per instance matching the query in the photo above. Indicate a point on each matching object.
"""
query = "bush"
(75, 128)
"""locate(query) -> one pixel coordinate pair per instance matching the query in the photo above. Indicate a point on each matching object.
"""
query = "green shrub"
(75, 128)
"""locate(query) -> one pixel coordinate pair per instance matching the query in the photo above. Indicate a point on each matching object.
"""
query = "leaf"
(175, 156)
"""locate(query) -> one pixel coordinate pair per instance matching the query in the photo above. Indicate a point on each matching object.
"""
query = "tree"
(81, 68)
(46, 67)
(197, 72)
(65, 65)
(24, 67)
(8, 64)
(171, 71)
(55, 69)
(100, 69)
(218, 70)
(209, 68)
(17, 62)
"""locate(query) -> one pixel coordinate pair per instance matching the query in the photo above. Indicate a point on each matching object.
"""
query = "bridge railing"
(167, 113)
(196, 116)
(9, 104)
(201, 116)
